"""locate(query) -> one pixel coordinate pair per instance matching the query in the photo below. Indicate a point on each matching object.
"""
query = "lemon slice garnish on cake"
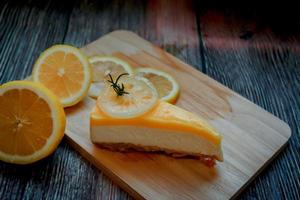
(32, 122)
(101, 67)
(64, 70)
(166, 86)
(127, 97)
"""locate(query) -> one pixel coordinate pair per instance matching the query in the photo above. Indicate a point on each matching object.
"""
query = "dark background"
(253, 49)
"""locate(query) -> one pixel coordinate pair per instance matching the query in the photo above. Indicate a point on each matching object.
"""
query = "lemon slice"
(102, 66)
(141, 97)
(166, 86)
(32, 122)
(64, 70)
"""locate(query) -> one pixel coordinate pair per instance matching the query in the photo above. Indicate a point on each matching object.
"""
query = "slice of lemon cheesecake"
(139, 121)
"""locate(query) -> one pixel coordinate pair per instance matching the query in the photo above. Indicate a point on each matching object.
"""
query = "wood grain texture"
(269, 60)
(28, 27)
(154, 176)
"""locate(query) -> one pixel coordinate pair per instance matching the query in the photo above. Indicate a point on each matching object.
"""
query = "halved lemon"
(32, 122)
(166, 86)
(140, 97)
(102, 66)
(64, 70)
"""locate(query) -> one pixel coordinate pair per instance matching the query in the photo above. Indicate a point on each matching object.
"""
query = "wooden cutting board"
(251, 136)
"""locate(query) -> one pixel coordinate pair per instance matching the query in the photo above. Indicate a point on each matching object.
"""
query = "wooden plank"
(22, 41)
(246, 51)
(26, 29)
(235, 118)
(172, 25)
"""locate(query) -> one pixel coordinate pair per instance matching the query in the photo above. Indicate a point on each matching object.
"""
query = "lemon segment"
(141, 97)
(102, 66)
(166, 86)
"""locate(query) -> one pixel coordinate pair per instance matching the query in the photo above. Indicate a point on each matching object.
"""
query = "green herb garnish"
(120, 90)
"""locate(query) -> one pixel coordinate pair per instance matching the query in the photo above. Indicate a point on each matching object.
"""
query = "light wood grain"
(251, 136)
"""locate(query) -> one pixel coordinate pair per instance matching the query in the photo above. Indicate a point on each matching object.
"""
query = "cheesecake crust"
(209, 161)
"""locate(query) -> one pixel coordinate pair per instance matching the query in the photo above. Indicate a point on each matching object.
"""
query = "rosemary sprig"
(120, 90)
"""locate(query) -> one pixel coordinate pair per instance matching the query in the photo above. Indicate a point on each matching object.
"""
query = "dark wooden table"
(252, 49)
